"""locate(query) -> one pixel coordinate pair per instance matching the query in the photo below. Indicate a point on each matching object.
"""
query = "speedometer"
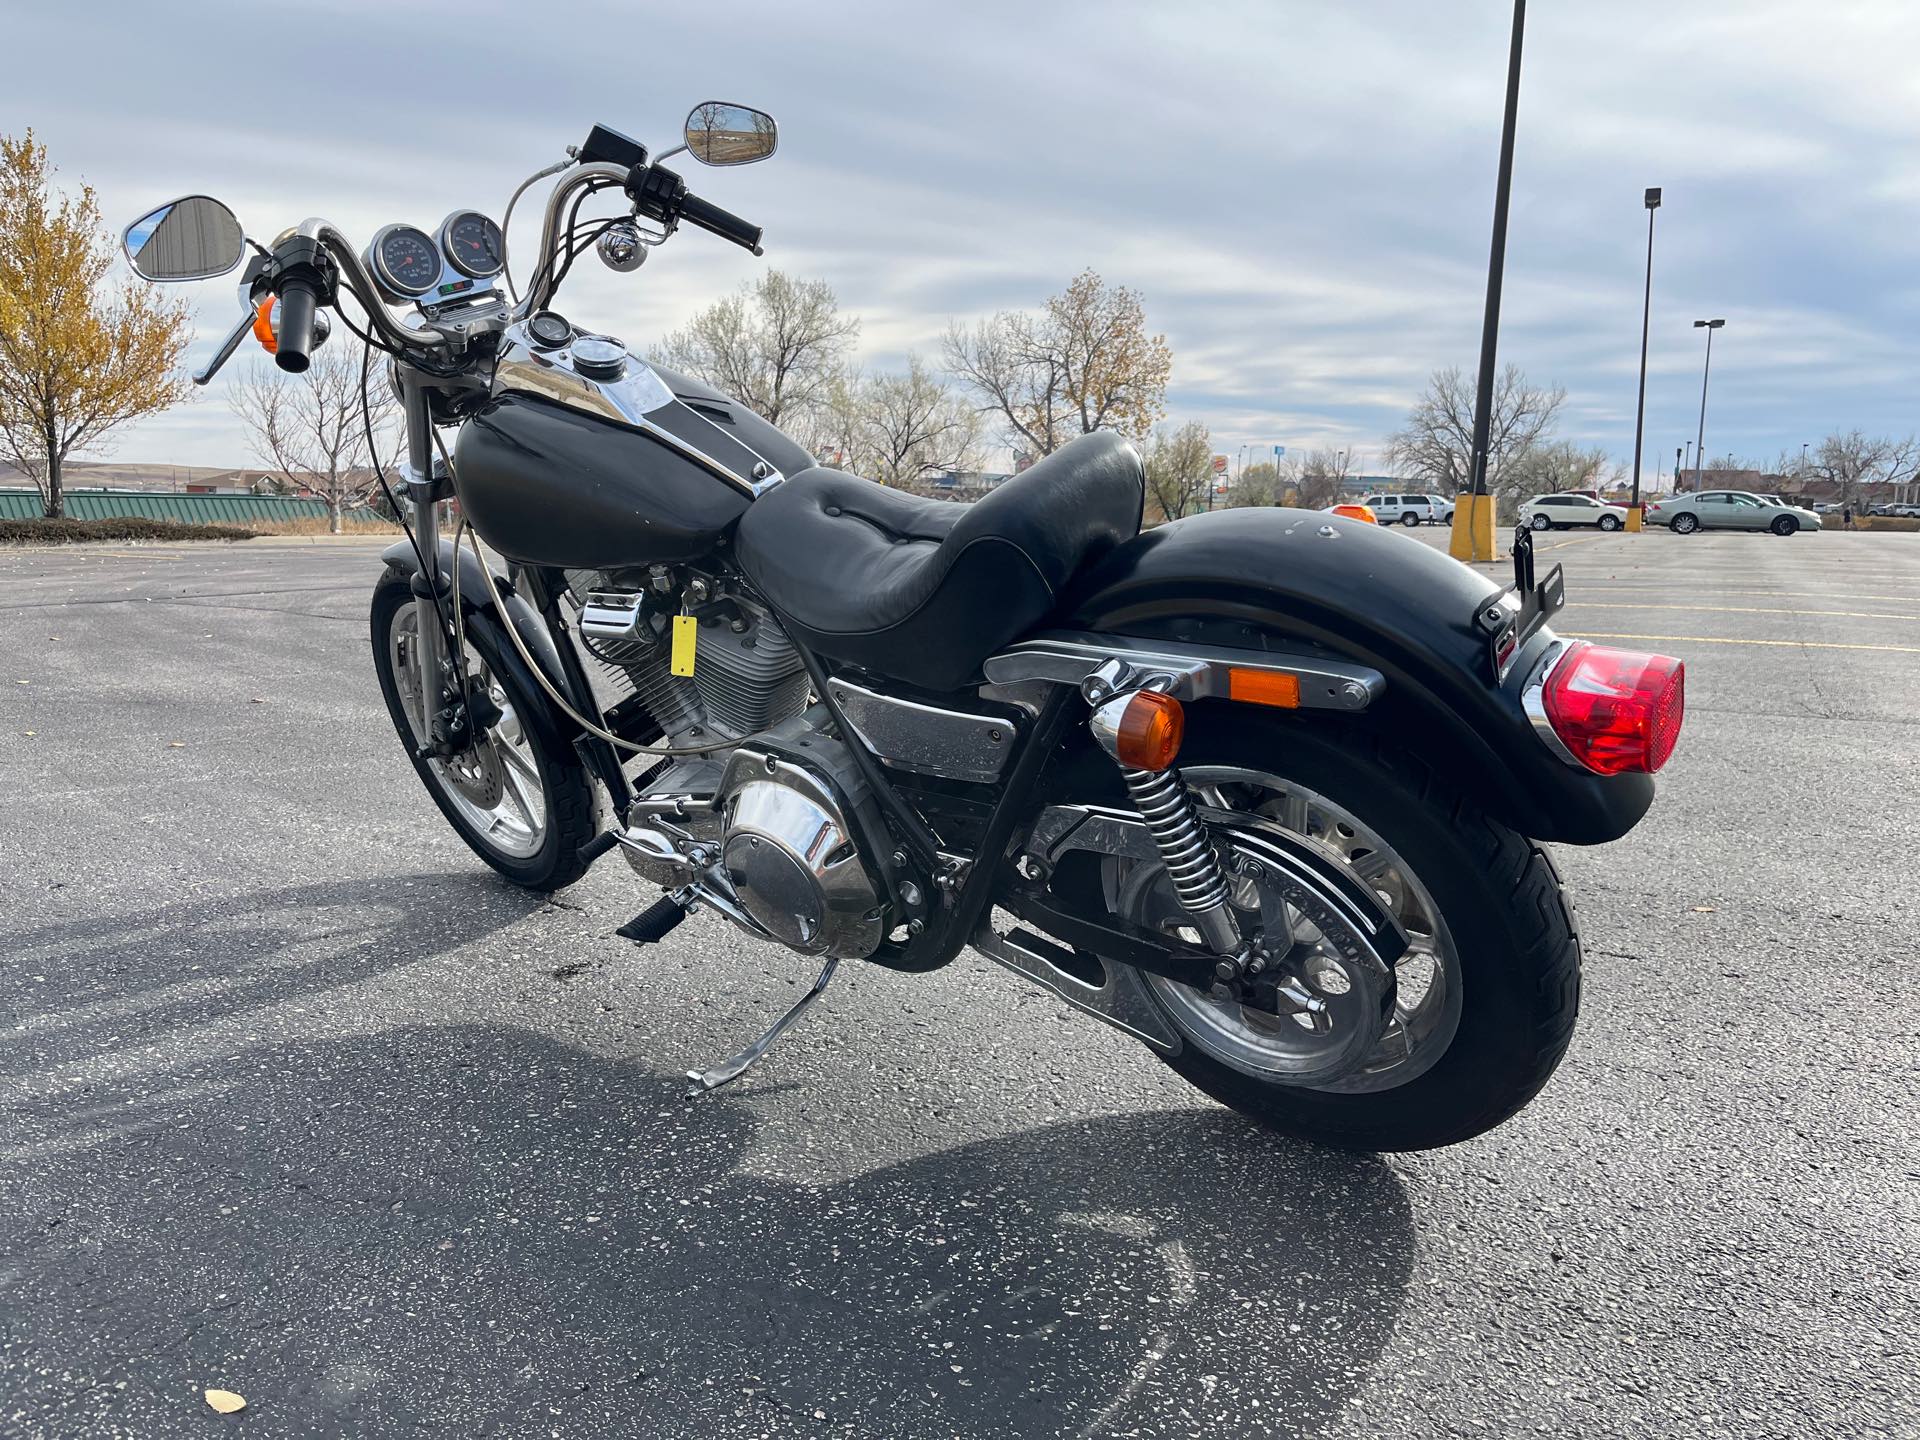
(404, 260)
(472, 244)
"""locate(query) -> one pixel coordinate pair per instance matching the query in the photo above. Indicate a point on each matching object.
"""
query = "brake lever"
(227, 347)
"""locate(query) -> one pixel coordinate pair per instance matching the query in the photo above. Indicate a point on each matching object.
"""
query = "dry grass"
(319, 525)
(1875, 522)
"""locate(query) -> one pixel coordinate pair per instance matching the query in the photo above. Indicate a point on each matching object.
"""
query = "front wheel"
(1785, 525)
(1608, 522)
(1540, 522)
(518, 796)
(1483, 1000)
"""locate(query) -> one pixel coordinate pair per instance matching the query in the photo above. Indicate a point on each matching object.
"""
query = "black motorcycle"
(1264, 789)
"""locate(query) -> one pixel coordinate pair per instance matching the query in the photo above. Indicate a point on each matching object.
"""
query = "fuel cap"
(599, 356)
(549, 330)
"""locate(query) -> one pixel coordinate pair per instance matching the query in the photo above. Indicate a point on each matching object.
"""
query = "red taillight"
(1616, 710)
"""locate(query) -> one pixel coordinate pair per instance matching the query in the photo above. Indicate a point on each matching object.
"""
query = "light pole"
(1646, 314)
(1473, 527)
(1700, 440)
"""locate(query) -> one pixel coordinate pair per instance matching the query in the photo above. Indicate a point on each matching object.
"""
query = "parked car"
(1827, 507)
(1728, 510)
(1552, 512)
(1442, 509)
(1402, 509)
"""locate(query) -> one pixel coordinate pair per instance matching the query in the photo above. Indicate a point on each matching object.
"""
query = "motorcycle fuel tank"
(597, 460)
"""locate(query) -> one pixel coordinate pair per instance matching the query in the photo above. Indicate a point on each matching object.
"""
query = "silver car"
(1728, 510)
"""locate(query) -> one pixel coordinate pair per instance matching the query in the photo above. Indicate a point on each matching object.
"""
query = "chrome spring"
(1192, 866)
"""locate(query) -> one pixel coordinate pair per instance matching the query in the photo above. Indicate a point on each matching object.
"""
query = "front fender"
(1274, 578)
(403, 564)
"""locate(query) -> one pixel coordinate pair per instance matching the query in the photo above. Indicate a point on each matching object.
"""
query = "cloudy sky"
(1301, 189)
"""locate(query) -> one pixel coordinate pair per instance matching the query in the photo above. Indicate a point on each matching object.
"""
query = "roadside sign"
(1219, 464)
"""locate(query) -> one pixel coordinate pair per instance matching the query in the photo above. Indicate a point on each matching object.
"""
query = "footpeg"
(729, 1070)
(654, 923)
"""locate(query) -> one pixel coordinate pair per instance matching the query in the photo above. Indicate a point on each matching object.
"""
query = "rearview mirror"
(192, 238)
(718, 133)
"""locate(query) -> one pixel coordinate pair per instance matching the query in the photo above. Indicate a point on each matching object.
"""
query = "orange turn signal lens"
(263, 326)
(1264, 687)
(1151, 728)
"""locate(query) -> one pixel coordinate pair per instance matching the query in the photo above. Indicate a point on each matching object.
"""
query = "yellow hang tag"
(685, 629)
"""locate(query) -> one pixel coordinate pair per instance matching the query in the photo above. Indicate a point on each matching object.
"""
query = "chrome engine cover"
(793, 860)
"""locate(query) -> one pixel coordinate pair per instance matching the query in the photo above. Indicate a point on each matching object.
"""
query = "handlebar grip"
(724, 223)
(294, 337)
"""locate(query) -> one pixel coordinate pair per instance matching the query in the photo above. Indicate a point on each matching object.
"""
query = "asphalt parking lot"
(300, 1102)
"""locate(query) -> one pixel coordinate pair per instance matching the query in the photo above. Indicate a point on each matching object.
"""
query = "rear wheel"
(1409, 518)
(1483, 1002)
(1684, 524)
(518, 797)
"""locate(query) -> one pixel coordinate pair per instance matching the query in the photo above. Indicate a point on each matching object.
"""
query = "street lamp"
(1700, 440)
(1646, 313)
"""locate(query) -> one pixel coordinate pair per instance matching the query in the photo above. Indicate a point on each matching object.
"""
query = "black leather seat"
(924, 590)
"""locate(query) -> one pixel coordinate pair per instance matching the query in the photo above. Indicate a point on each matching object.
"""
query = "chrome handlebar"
(595, 175)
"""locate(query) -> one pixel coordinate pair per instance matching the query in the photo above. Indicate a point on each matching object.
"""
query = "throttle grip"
(724, 223)
(299, 299)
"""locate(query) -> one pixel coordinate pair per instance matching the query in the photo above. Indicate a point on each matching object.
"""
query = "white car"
(1403, 509)
(1442, 509)
(1551, 512)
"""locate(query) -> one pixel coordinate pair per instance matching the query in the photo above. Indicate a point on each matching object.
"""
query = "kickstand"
(727, 1070)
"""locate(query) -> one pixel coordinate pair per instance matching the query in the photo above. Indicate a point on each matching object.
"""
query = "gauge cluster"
(457, 262)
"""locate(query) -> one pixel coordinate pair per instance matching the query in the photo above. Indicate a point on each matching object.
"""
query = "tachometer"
(473, 244)
(404, 260)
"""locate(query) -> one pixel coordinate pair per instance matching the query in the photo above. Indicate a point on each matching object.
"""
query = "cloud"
(1301, 190)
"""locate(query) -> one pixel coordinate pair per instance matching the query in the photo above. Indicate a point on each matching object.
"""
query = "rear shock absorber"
(1162, 800)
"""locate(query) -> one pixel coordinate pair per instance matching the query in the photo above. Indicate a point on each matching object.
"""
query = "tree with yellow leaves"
(78, 357)
(1085, 362)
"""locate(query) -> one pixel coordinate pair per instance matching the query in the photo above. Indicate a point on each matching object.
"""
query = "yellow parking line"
(1739, 610)
(1723, 640)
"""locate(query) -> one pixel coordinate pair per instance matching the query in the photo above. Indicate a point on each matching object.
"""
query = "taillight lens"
(1616, 710)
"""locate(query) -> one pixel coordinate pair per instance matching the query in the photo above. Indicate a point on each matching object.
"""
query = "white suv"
(1550, 512)
(1402, 509)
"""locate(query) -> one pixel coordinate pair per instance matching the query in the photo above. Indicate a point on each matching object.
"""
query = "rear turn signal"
(1146, 732)
(1616, 711)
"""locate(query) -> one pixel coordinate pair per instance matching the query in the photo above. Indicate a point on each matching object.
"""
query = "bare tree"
(777, 346)
(909, 426)
(1555, 466)
(1435, 446)
(1259, 485)
(1084, 362)
(312, 429)
(1323, 477)
(1179, 467)
(1853, 460)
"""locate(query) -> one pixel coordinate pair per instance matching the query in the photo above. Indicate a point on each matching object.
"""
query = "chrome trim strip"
(1533, 700)
(1188, 672)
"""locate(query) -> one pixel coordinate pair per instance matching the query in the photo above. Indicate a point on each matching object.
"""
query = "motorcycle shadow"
(480, 1230)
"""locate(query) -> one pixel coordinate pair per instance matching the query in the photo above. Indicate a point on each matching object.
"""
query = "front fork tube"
(429, 622)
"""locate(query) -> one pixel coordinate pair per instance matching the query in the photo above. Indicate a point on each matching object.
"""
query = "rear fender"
(1344, 591)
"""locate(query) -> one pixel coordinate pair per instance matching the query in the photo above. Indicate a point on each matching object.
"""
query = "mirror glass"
(193, 238)
(721, 134)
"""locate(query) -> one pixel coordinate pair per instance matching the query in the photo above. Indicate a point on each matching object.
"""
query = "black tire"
(1541, 522)
(1684, 523)
(1785, 525)
(1409, 518)
(1511, 924)
(566, 791)
(1607, 522)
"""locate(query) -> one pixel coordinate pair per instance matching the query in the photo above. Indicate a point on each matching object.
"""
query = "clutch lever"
(227, 347)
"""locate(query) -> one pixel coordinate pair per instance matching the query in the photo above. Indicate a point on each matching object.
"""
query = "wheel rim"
(1427, 1003)
(495, 784)
(1540, 522)
(1684, 524)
